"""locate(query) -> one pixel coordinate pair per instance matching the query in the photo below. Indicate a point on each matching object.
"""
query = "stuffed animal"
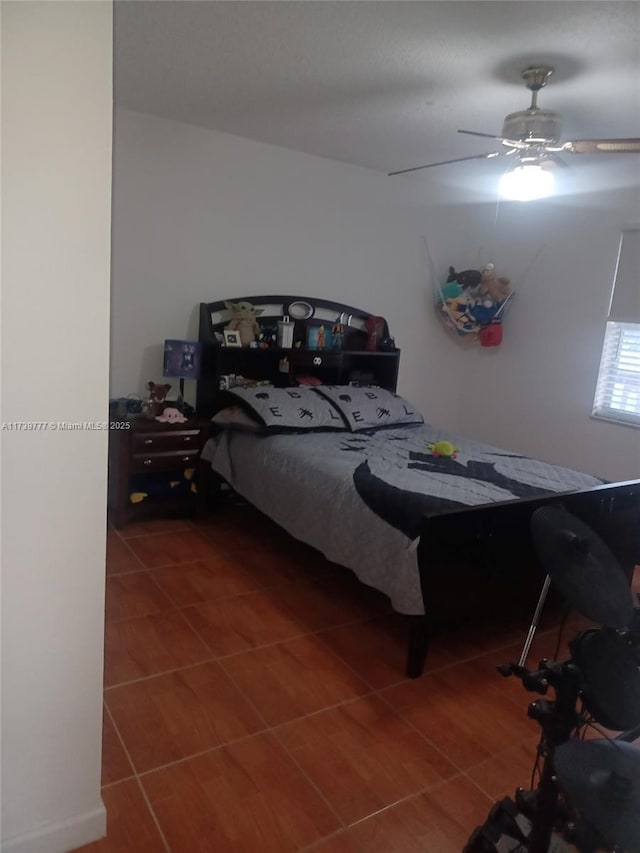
(458, 312)
(484, 312)
(156, 402)
(171, 416)
(159, 485)
(243, 320)
(498, 288)
(466, 278)
(443, 448)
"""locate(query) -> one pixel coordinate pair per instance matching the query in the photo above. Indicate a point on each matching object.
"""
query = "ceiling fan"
(533, 136)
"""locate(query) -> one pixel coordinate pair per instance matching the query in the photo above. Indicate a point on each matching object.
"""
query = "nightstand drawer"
(169, 461)
(151, 442)
(163, 450)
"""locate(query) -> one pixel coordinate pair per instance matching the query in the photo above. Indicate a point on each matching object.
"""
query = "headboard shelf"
(351, 363)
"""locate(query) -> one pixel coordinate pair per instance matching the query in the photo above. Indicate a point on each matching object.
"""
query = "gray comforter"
(359, 497)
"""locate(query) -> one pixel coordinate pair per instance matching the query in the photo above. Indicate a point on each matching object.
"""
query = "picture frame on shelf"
(231, 338)
(319, 335)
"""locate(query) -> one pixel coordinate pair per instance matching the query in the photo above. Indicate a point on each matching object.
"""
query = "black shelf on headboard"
(337, 366)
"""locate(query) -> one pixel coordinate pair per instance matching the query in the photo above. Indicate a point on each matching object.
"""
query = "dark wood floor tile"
(156, 525)
(272, 564)
(173, 716)
(322, 602)
(363, 756)
(115, 764)
(205, 580)
(120, 558)
(463, 712)
(245, 521)
(469, 642)
(168, 549)
(436, 821)
(132, 595)
(376, 649)
(149, 645)
(293, 678)
(248, 797)
(500, 775)
(130, 826)
(243, 622)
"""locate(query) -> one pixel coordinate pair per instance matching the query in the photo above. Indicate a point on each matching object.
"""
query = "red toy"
(491, 335)
(375, 332)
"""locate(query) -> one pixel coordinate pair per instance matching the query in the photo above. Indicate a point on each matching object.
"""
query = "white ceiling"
(383, 85)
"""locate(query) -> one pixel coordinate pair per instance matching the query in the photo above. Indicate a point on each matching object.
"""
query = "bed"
(443, 536)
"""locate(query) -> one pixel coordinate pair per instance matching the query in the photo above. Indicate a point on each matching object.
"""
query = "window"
(618, 388)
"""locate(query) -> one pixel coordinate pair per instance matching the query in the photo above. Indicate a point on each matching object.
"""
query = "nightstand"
(149, 446)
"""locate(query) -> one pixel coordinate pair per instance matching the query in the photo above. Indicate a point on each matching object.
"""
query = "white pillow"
(289, 409)
(370, 407)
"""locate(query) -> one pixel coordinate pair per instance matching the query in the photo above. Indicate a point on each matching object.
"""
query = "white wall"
(534, 393)
(56, 171)
(200, 216)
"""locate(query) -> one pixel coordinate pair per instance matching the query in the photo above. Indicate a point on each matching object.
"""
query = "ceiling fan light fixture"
(532, 126)
(527, 182)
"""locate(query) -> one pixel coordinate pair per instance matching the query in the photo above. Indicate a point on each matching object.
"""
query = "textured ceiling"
(379, 84)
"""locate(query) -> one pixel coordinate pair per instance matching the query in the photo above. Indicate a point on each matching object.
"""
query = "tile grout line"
(479, 786)
(136, 776)
(274, 730)
(187, 527)
(413, 796)
(131, 551)
(271, 730)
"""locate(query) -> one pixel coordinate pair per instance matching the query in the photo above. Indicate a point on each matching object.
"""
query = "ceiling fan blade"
(475, 133)
(603, 146)
(445, 162)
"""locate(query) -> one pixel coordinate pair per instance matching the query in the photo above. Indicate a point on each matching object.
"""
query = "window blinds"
(617, 394)
(618, 389)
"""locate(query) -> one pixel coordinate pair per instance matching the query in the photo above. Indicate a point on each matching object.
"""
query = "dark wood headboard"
(350, 363)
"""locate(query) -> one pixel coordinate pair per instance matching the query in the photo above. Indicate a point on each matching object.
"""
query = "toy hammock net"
(472, 302)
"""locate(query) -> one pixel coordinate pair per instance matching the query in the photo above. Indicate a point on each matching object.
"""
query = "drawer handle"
(186, 458)
(147, 462)
(148, 441)
(187, 438)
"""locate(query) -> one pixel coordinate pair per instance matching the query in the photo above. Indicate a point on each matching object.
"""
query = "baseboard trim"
(61, 836)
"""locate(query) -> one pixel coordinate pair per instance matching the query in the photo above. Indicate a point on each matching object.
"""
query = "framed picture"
(319, 335)
(231, 338)
(182, 359)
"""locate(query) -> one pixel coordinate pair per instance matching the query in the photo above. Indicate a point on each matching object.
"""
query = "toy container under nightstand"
(150, 458)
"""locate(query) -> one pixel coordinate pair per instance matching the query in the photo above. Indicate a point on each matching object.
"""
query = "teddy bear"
(243, 320)
(497, 287)
(156, 402)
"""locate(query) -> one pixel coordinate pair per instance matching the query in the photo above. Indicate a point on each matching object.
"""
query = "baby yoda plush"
(243, 320)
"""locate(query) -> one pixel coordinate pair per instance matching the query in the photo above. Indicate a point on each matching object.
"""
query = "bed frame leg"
(419, 636)
(208, 485)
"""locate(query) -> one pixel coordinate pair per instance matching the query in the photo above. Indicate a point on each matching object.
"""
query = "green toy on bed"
(161, 485)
